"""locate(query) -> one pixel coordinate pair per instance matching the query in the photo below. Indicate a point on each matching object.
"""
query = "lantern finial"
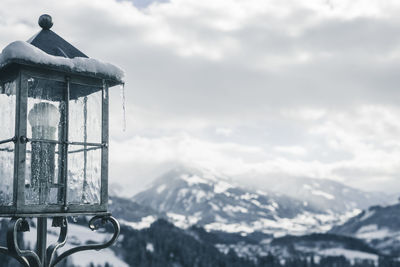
(45, 21)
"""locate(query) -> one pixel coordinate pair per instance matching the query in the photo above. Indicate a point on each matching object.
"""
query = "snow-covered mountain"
(327, 194)
(378, 226)
(133, 214)
(191, 196)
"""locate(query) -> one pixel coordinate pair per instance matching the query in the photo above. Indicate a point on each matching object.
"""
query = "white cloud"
(224, 131)
(294, 150)
(297, 88)
(367, 162)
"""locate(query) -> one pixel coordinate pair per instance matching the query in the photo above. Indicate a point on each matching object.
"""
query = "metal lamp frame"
(19, 210)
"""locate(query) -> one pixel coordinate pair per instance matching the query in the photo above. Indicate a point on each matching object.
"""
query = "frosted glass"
(84, 175)
(42, 174)
(7, 108)
(6, 173)
(91, 106)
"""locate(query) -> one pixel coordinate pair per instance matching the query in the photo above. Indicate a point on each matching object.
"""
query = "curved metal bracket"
(23, 261)
(29, 258)
(92, 226)
(62, 238)
(26, 257)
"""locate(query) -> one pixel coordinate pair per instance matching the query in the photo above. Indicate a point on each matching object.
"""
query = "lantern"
(53, 128)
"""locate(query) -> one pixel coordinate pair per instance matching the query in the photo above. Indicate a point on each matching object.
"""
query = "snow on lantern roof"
(21, 52)
(47, 49)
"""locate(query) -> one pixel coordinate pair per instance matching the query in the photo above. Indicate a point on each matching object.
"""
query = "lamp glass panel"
(85, 114)
(43, 177)
(45, 130)
(7, 131)
(84, 174)
(6, 173)
(7, 109)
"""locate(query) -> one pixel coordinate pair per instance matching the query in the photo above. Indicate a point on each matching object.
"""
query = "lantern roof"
(48, 50)
(52, 43)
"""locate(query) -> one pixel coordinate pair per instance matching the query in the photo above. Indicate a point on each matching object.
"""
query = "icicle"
(104, 90)
(123, 107)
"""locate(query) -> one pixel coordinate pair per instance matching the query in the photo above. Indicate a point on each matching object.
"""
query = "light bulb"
(44, 118)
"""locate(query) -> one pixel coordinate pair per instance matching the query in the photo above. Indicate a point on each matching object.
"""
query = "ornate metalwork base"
(50, 258)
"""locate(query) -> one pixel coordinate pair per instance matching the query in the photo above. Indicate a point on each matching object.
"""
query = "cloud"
(293, 150)
(280, 87)
(224, 131)
(359, 150)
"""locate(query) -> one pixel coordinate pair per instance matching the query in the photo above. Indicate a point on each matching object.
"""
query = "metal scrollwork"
(93, 226)
(26, 257)
(62, 239)
(29, 258)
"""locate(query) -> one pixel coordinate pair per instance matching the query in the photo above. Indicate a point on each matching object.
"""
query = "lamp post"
(53, 141)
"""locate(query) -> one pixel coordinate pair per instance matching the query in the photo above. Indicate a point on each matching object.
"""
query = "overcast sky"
(261, 89)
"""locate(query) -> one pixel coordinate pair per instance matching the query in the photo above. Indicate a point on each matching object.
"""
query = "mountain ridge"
(191, 196)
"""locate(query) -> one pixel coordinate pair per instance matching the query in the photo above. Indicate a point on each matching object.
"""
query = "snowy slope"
(192, 196)
(378, 226)
(133, 214)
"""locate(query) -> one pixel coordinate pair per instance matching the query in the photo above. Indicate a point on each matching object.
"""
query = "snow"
(98, 258)
(220, 219)
(230, 208)
(200, 195)
(304, 223)
(145, 222)
(192, 180)
(271, 207)
(150, 247)
(248, 196)
(262, 193)
(24, 51)
(182, 193)
(161, 188)
(322, 194)
(275, 205)
(256, 202)
(229, 228)
(351, 255)
(214, 206)
(371, 231)
(367, 214)
(221, 187)
(318, 192)
(183, 221)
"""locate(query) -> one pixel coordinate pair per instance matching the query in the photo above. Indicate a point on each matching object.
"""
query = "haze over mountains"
(192, 196)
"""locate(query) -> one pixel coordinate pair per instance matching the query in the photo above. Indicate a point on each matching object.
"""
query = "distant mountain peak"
(197, 196)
